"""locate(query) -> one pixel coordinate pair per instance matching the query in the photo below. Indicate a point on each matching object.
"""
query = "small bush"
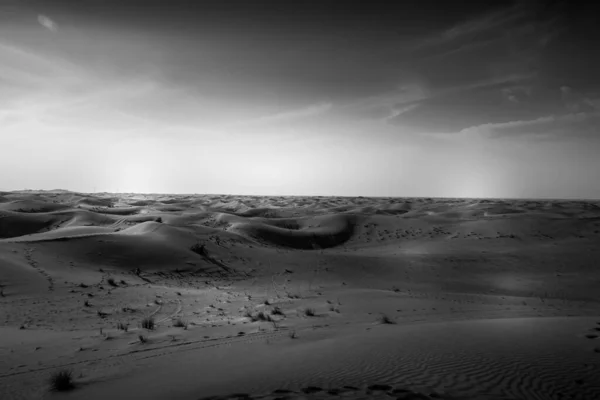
(384, 319)
(262, 316)
(277, 311)
(112, 282)
(123, 327)
(143, 339)
(309, 312)
(180, 323)
(293, 335)
(62, 380)
(148, 323)
(87, 303)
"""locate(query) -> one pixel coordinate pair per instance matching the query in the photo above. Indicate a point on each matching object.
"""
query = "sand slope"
(488, 298)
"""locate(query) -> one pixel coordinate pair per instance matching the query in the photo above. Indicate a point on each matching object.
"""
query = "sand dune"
(485, 298)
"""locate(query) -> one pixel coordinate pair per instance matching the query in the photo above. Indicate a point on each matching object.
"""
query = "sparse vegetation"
(62, 380)
(260, 316)
(148, 323)
(122, 327)
(277, 311)
(143, 339)
(384, 319)
(309, 312)
(293, 335)
(180, 323)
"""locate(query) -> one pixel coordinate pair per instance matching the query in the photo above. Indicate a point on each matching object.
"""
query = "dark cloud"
(476, 62)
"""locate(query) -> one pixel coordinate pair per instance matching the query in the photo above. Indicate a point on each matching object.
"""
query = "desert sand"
(298, 297)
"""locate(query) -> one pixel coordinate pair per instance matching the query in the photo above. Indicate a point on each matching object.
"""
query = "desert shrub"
(384, 319)
(309, 312)
(180, 323)
(277, 311)
(148, 323)
(111, 281)
(142, 338)
(293, 335)
(123, 327)
(62, 380)
(260, 316)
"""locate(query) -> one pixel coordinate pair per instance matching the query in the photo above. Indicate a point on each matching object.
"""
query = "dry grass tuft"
(61, 381)
(148, 323)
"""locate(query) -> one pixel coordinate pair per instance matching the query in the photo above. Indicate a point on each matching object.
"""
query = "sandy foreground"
(298, 297)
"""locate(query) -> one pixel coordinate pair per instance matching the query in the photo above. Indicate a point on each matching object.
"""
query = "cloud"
(552, 126)
(402, 105)
(47, 23)
(576, 102)
(509, 42)
(290, 115)
(517, 93)
(397, 112)
(482, 23)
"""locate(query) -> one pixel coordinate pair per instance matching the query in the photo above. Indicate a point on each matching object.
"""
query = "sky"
(407, 99)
